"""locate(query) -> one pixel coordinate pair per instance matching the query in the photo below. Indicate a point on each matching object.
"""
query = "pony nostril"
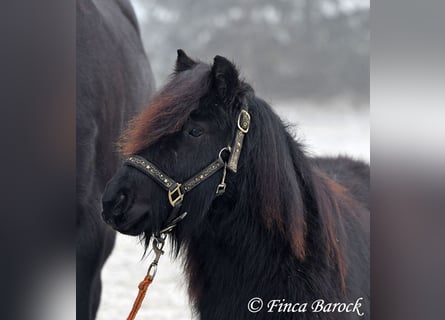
(120, 204)
(120, 200)
(115, 205)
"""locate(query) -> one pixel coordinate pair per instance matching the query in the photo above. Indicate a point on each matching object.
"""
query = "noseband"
(176, 190)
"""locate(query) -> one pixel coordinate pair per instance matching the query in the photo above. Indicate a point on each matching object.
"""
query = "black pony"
(114, 81)
(286, 230)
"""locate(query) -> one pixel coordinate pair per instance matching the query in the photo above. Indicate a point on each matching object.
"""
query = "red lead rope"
(158, 245)
(143, 286)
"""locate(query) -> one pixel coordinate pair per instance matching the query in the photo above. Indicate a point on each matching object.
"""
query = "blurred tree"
(315, 49)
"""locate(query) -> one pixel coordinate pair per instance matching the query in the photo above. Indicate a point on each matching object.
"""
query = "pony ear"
(225, 78)
(183, 62)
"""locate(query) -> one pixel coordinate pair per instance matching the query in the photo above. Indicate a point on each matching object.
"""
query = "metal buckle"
(243, 121)
(175, 195)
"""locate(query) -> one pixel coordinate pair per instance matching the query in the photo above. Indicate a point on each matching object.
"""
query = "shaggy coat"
(289, 227)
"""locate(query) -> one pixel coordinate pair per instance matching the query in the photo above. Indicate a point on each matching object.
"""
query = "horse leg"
(84, 281)
(96, 291)
(94, 245)
(109, 239)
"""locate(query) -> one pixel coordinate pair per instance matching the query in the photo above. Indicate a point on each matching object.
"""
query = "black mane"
(297, 216)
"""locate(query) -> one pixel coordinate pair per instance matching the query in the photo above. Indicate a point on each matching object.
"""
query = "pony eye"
(195, 132)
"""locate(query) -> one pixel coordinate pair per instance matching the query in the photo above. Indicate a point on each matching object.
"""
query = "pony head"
(186, 125)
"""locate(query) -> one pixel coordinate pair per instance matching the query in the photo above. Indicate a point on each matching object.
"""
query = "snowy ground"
(339, 130)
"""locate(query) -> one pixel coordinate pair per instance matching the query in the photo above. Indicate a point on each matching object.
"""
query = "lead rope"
(158, 244)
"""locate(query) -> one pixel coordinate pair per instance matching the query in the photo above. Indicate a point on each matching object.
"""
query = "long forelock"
(168, 111)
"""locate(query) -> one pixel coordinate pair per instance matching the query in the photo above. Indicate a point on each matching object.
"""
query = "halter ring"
(228, 148)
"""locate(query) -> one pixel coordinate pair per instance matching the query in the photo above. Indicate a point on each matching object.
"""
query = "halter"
(176, 192)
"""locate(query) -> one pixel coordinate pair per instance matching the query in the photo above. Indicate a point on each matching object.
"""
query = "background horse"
(114, 80)
(288, 226)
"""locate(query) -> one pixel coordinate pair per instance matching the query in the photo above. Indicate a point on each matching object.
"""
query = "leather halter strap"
(177, 190)
(243, 126)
